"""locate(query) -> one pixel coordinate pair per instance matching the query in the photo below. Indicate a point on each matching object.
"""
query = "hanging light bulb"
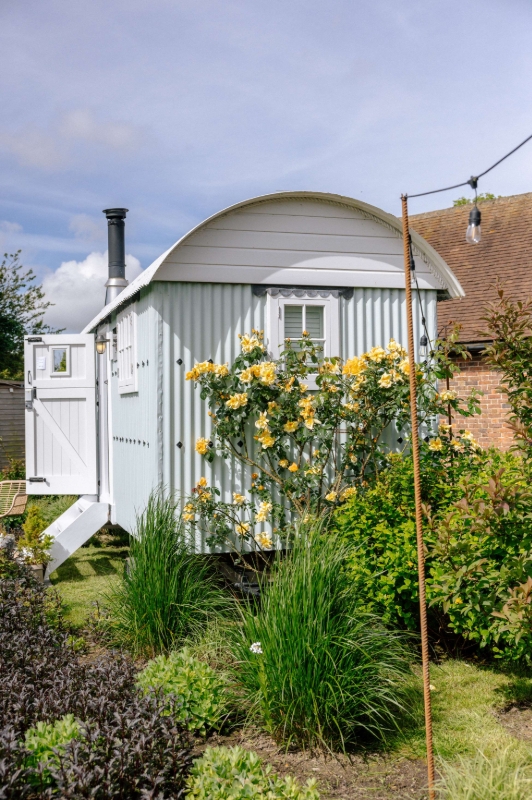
(473, 233)
(423, 347)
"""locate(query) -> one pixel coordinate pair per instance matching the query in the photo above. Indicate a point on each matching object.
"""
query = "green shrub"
(46, 740)
(34, 546)
(199, 691)
(224, 773)
(478, 538)
(379, 524)
(480, 570)
(505, 776)
(316, 668)
(169, 593)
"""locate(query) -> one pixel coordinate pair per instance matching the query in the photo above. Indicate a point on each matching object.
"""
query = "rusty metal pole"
(417, 496)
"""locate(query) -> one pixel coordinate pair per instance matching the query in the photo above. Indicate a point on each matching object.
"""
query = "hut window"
(126, 346)
(289, 316)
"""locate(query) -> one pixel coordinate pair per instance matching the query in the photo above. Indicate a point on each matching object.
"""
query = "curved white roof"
(172, 265)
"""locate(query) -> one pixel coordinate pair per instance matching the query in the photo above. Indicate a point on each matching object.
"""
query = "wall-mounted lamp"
(101, 344)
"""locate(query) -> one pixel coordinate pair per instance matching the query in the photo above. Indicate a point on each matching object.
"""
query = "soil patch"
(339, 777)
(517, 721)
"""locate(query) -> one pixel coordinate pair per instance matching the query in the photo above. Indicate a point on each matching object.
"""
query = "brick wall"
(490, 428)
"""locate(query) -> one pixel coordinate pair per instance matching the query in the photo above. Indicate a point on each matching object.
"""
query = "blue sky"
(178, 108)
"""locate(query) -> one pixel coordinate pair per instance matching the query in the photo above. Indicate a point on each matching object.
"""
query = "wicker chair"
(13, 498)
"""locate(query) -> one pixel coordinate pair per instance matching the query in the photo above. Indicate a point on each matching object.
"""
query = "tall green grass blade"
(328, 674)
(169, 593)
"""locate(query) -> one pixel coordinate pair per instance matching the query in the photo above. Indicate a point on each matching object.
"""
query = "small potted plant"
(33, 547)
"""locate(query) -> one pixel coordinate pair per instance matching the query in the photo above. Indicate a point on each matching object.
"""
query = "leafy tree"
(481, 198)
(509, 326)
(22, 306)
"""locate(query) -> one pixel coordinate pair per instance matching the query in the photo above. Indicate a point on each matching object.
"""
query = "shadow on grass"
(518, 691)
(100, 563)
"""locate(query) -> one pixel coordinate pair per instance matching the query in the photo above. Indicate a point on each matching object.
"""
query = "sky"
(176, 109)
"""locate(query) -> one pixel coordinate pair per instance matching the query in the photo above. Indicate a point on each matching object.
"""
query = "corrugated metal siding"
(12, 433)
(134, 424)
(195, 322)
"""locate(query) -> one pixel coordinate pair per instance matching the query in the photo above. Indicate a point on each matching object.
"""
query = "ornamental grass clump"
(315, 669)
(505, 775)
(169, 593)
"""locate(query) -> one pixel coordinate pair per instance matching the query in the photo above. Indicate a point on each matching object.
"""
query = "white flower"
(256, 648)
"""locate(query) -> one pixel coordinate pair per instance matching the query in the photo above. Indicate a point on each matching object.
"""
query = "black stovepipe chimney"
(116, 282)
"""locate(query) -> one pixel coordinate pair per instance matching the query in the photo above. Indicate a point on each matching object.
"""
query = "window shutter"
(127, 350)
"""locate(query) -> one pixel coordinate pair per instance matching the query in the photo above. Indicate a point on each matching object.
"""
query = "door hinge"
(37, 480)
(34, 339)
(31, 395)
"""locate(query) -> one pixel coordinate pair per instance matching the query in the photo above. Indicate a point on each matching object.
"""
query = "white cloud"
(81, 124)
(77, 288)
(88, 228)
(10, 227)
(32, 148)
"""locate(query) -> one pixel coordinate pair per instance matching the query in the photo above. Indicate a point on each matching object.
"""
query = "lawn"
(86, 577)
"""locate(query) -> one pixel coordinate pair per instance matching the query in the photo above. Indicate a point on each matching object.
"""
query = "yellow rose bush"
(307, 450)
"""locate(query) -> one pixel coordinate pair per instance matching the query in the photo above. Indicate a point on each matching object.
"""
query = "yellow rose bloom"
(376, 354)
(272, 406)
(189, 507)
(448, 395)
(331, 497)
(283, 463)
(289, 385)
(246, 376)
(202, 445)
(188, 517)
(312, 471)
(267, 373)
(303, 387)
(238, 498)
(347, 493)
(262, 422)
(310, 422)
(202, 482)
(266, 439)
(353, 366)
(293, 467)
(436, 444)
(264, 511)
(290, 427)
(385, 381)
(237, 400)
(249, 343)
(264, 540)
(242, 528)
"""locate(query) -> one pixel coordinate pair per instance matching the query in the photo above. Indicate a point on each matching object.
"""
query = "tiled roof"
(504, 252)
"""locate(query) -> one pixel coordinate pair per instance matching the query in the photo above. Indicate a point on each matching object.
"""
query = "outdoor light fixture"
(473, 233)
(101, 344)
(473, 236)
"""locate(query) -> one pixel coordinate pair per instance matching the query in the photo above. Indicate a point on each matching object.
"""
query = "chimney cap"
(115, 212)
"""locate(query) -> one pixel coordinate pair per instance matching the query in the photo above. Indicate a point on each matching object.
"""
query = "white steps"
(73, 528)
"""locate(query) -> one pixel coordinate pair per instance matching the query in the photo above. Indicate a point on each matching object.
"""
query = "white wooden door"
(61, 444)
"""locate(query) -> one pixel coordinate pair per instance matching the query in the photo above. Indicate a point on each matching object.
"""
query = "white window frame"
(331, 322)
(126, 348)
(67, 372)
